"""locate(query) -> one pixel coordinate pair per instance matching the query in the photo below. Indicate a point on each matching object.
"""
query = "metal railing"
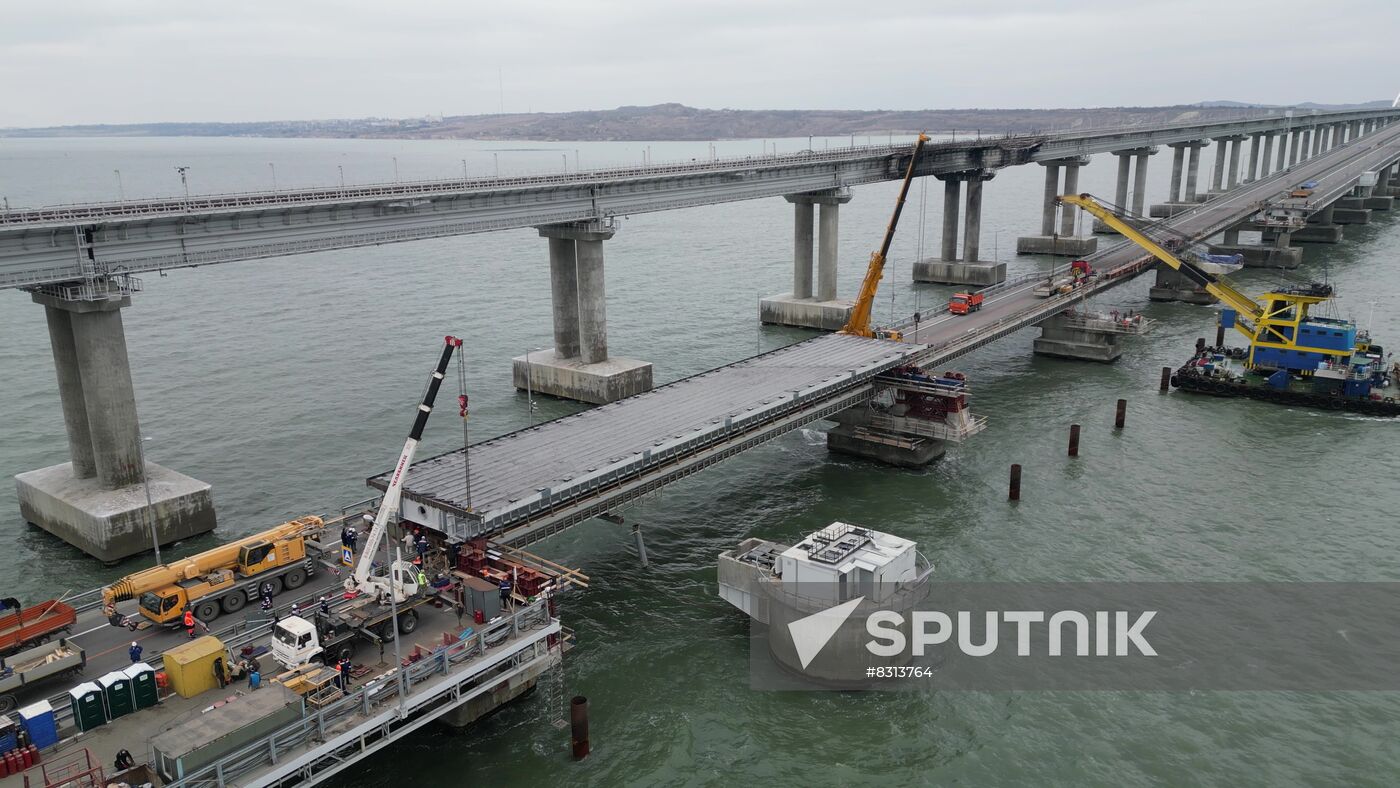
(395, 685)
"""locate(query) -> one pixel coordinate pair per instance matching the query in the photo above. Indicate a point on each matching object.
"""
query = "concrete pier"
(1171, 285)
(806, 306)
(578, 367)
(1064, 242)
(1255, 141)
(97, 502)
(1217, 175)
(949, 268)
(1275, 253)
(1235, 144)
(851, 436)
(1132, 166)
(1264, 161)
(1186, 164)
(1061, 338)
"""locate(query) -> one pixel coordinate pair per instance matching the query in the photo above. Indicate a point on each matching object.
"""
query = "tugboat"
(1293, 357)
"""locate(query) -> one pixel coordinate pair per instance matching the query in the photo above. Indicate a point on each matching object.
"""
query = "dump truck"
(221, 580)
(964, 303)
(21, 627)
(24, 676)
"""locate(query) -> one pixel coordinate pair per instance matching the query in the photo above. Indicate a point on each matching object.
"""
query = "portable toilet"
(89, 708)
(190, 666)
(39, 722)
(116, 691)
(9, 729)
(144, 692)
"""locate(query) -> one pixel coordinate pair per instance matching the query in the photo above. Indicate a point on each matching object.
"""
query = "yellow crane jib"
(859, 322)
(1274, 325)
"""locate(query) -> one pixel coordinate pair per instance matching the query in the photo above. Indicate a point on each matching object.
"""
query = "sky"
(134, 61)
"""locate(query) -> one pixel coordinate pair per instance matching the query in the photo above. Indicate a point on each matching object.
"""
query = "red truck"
(964, 303)
(26, 626)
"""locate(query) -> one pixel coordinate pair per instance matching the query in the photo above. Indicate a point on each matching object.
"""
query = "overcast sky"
(125, 61)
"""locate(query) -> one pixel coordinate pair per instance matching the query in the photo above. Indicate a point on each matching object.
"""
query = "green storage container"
(89, 709)
(116, 690)
(143, 685)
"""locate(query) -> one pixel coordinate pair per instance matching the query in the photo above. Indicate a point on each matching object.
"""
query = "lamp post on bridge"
(341, 169)
(146, 482)
(121, 192)
(273, 168)
(184, 180)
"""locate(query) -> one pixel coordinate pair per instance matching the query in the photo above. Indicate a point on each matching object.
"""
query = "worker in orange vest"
(189, 622)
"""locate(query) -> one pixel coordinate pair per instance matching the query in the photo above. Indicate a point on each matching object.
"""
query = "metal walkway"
(534, 482)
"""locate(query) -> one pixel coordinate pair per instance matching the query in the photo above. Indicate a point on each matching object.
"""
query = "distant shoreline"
(675, 122)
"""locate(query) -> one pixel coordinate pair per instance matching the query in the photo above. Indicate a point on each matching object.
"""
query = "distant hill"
(679, 122)
(1379, 104)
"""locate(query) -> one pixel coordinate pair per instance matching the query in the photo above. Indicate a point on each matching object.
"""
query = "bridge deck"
(533, 481)
(522, 471)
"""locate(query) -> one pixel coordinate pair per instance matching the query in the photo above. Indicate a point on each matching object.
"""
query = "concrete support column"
(1071, 187)
(1053, 239)
(1282, 152)
(1193, 166)
(70, 391)
(1235, 145)
(1140, 182)
(100, 342)
(1252, 174)
(563, 288)
(948, 268)
(1267, 157)
(1052, 190)
(826, 250)
(1319, 136)
(952, 191)
(1178, 157)
(1217, 175)
(972, 227)
(802, 213)
(811, 305)
(1125, 167)
(1294, 146)
(592, 303)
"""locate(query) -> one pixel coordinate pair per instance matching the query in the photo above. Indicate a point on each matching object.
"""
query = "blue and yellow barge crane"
(1293, 356)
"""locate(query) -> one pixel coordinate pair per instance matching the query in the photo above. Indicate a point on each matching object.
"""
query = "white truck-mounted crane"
(402, 579)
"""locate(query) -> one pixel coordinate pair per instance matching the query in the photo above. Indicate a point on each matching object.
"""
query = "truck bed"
(33, 623)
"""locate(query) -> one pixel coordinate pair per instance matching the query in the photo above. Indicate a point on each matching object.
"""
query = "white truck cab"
(295, 642)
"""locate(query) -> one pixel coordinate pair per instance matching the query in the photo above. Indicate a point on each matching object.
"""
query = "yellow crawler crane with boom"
(859, 322)
(221, 580)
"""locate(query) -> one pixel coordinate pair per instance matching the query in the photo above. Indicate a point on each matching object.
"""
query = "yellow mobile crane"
(859, 323)
(223, 579)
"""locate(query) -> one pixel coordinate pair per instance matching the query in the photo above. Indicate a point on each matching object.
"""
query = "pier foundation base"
(1262, 256)
(1062, 245)
(570, 378)
(498, 696)
(946, 273)
(1172, 286)
(1351, 215)
(788, 310)
(111, 524)
(853, 436)
(1378, 203)
(1318, 234)
(1060, 339)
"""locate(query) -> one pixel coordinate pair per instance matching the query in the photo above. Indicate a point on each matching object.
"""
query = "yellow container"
(190, 666)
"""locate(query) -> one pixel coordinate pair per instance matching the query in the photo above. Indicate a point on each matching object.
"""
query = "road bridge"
(81, 262)
(531, 483)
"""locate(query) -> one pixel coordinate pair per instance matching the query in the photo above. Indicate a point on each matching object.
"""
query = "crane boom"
(390, 504)
(1247, 307)
(859, 322)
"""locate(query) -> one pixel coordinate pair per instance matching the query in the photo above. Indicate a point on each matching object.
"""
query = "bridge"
(529, 484)
(81, 263)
